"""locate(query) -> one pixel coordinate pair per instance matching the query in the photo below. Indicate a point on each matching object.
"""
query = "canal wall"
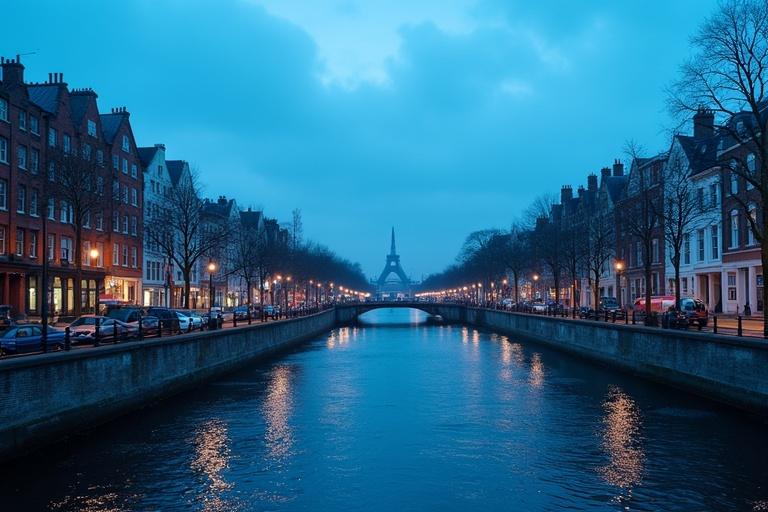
(726, 368)
(47, 396)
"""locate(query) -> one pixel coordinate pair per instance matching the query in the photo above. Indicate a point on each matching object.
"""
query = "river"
(396, 415)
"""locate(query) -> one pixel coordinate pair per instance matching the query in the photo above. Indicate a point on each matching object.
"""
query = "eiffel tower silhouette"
(393, 267)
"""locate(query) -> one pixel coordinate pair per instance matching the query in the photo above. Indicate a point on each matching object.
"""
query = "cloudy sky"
(438, 116)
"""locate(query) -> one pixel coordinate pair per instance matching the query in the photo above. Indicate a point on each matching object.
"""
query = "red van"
(659, 304)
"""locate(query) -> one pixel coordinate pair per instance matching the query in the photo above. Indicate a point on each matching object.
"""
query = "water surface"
(409, 417)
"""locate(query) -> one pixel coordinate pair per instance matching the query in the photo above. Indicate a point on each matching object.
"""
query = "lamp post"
(287, 281)
(535, 280)
(619, 268)
(94, 254)
(211, 270)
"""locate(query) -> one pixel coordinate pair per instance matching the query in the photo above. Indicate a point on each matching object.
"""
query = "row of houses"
(46, 126)
(720, 261)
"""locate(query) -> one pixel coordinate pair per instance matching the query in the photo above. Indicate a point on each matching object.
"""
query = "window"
(638, 254)
(125, 193)
(700, 198)
(51, 209)
(134, 171)
(100, 258)
(115, 162)
(19, 242)
(34, 209)
(2, 240)
(52, 137)
(100, 157)
(21, 157)
(34, 125)
(700, 244)
(126, 144)
(3, 150)
(713, 195)
(134, 257)
(134, 197)
(655, 249)
(87, 152)
(3, 195)
(116, 254)
(687, 248)
(87, 220)
(67, 144)
(22, 120)
(91, 127)
(3, 109)
(21, 199)
(34, 161)
(86, 254)
(734, 184)
(33, 244)
(750, 232)
(684, 285)
(51, 171)
(125, 224)
(99, 221)
(116, 222)
(734, 242)
(731, 286)
(125, 166)
(134, 225)
(65, 215)
(715, 236)
(100, 185)
(51, 247)
(125, 255)
(66, 249)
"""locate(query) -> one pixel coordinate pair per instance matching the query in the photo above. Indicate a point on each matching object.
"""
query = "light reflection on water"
(411, 418)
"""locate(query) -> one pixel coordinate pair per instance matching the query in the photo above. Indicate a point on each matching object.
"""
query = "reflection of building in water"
(212, 459)
(622, 440)
(278, 406)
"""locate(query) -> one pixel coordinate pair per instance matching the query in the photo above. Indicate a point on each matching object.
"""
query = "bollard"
(633, 317)
(114, 332)
(249, 316)
(613, 316)
(97, 335)
(189, 325)
(234, 319)
(141, 327)
(626, 317)
(606, 315)
(738, 328)
(67, 338)
(714, 324)
(159, 327)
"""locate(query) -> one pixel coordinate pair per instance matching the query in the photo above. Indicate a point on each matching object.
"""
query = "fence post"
(114, 332)
(738, 328)
(633, 317)
(67, 338)
(97, 337)
(159, 327)
(234, 319)
(141, 327)
(606, 315)
(626, 317)
(249, 315)
(714, 324)
(613, 316)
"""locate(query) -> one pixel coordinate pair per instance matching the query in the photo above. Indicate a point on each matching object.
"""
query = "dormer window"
(92, 128)
(126, 144)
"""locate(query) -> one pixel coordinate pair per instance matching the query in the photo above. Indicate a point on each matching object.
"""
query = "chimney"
(618, 168)
(592, 182)
(566, 194)
(703, 123)
(581, 192)
(13, 71)
(160, 146)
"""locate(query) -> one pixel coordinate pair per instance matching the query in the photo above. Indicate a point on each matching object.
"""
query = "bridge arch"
(349, 313)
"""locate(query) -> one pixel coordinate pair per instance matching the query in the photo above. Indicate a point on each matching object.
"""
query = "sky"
(437, 117)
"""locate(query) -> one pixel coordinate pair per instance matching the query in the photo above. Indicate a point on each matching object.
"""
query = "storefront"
(123, 289)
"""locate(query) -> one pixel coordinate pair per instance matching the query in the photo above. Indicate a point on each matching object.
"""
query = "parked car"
(241, 312)
(189, 320)
(271, 310)
(168, 318)
(538, 307)
(695, 311)
(125, 314)
(83, 329)
(659, 304)
(6, 316)
(22, 338)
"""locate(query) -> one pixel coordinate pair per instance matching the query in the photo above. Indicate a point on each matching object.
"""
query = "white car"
(187, 318)
(539, 307)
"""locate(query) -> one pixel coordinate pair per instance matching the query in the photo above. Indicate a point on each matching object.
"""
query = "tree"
(77, 183)
(727, 74)
(480, 251)
(178, 228)
(600, 243)
(573, 247)
(517, 255)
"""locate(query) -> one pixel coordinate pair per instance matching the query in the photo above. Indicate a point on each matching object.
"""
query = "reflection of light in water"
(103, 503)
(464, 335)
(211, 459)
(277, 410)
(621, 440)
(475, 337)
(536, 377)
(339, 337)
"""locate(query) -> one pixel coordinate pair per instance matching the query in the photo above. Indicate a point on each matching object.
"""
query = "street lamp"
(94, 255)
(535, 280)
(211, 270)
(619, 269)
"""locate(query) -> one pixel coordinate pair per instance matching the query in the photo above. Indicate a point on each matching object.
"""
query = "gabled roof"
(616, 186)
(701, 153)
(78, 105)
(110, 124)
(45, 96)
(146, 155)
(175, 170)
(250, 218)
(222, 208)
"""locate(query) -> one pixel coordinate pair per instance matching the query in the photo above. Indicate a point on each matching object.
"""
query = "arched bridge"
(348, 312)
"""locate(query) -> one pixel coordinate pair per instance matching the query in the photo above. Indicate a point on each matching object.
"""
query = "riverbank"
(45, 397)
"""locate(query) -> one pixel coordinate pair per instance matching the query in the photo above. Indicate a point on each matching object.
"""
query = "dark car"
(241, 312)
(127, 315)
(610, 306)
(168, 318)
(22, 338)
(695, 311)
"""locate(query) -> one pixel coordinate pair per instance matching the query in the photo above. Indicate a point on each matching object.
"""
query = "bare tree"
(727, 74)
(600, 244)
(178, 228)
(517, 255)
(78, 184)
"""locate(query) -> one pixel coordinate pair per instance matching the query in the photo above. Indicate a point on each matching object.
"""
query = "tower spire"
(392, 251)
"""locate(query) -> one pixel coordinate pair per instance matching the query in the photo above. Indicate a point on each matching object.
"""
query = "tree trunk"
(596, 290)
(187, 287)
(78, 289)
(250, 293)
(517, 287)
